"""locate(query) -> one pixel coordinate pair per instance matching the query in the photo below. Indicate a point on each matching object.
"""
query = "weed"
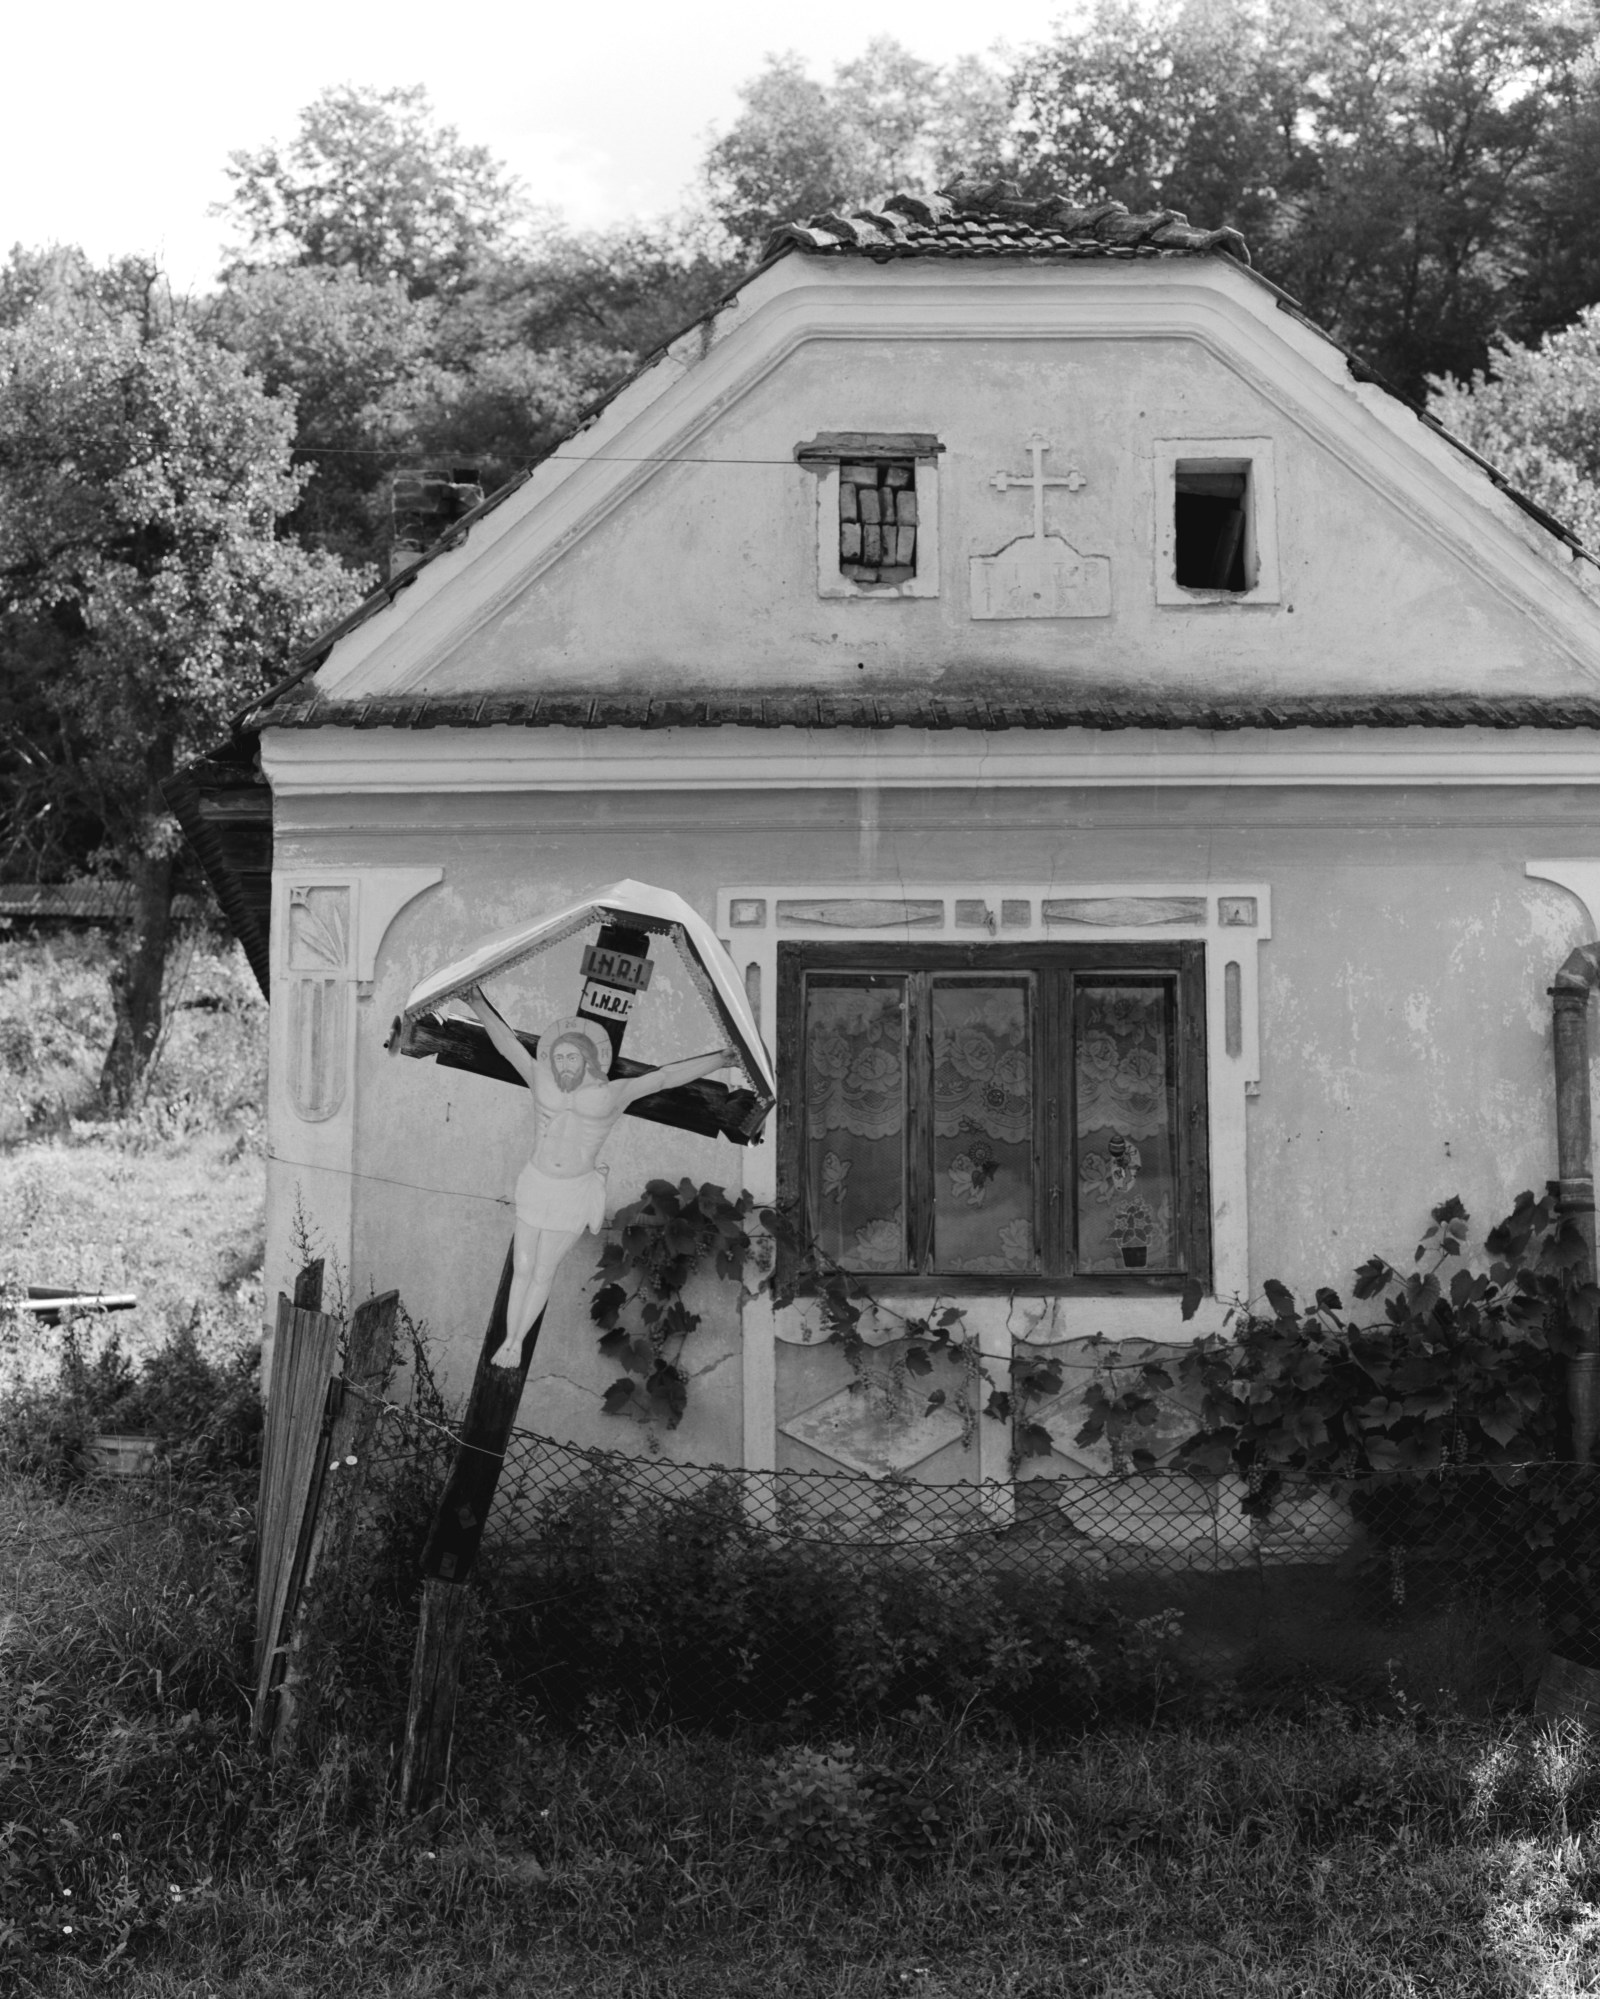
(816, 1808)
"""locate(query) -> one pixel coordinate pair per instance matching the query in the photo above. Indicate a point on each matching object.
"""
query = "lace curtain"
(856, 1113)
(983, 1127)
(982, 1193)
(855, 1122)
(1125, 1128)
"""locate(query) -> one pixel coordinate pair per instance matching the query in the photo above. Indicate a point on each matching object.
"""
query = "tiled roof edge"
(1087, 709)
(994, 217)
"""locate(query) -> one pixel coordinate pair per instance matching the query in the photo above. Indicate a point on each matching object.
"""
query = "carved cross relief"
(1040, 575)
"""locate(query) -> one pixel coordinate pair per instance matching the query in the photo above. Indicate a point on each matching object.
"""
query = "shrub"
(203, 1409)
(54, 1024)
(816, 1808)
(690, 1608)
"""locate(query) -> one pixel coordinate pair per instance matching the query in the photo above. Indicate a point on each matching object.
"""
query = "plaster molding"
(1578, 878)
(328, 925)
(670, 408)
(305, 763)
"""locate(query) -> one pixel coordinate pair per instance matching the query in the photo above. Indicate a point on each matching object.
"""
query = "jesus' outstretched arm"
(671, 1074)
(505, 1042)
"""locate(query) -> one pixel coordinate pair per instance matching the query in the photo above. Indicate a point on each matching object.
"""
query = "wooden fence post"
(449, 1553)
(355, 1424)
(292, 1461)
(308, 1287)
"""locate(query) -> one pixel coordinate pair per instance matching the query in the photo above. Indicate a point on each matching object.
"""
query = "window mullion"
(1046, 1124)
(1194, 1146)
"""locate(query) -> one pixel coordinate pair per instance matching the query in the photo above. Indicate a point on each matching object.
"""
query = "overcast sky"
(117, 119)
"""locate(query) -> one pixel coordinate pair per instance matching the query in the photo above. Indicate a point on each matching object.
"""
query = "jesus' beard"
(567, 1084)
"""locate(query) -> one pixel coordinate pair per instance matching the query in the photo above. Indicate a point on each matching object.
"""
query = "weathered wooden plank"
(452, 1548)
(298, 1423)
(274, 1431)
(457, 1530)
(336, 1518)
(435, 1676)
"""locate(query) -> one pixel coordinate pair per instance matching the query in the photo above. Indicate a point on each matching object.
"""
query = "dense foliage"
(143, 472)
(1535, 414)
(373, 184)
(688, 1608)
(1465, 1366)
(656, 1245)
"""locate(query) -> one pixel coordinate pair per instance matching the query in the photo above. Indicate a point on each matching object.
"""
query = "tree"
(888, 120)
(358, 357)
(1193, 106)
(373, 184)
(618, 293)
(143, 470)
(1398, 166)
(1537, 419)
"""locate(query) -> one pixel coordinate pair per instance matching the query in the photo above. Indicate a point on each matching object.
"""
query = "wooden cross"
(1072, 479)
(618, 966)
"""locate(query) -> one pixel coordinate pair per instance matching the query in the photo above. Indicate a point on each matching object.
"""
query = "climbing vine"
(662, 1239)
(673, 1231)
(1463, 1368)
(1464, 1364)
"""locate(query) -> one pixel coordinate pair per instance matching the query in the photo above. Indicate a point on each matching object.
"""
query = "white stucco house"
(1144, 775)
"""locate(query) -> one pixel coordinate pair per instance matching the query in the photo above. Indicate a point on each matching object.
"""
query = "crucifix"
(581, 1085)
(1072, 479)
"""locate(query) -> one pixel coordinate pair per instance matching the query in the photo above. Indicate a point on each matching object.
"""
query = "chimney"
(425, 505)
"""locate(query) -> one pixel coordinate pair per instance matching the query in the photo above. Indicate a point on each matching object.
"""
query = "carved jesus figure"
(561, 1191)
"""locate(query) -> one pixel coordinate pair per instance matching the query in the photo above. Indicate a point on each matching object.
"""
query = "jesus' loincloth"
(565, 1206)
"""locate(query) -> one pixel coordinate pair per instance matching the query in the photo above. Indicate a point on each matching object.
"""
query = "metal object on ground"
(123, 1454)
(48, 1304)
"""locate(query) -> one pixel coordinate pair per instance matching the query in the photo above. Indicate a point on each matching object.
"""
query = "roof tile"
(973, 218)
(1084, 708)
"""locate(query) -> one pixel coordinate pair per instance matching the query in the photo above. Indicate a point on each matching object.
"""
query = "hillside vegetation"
(166, 1202)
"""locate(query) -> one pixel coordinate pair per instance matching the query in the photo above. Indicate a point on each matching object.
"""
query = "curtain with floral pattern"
(1126, 1127)
(855, 1081)
(983, 1126)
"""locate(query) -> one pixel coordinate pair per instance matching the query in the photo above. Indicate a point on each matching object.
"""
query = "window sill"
(1178, 597)
(973, 1284)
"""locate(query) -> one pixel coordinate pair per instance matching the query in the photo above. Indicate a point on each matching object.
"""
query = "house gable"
(673, 545)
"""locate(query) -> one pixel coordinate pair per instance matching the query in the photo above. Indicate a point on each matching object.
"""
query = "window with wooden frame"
(1026, 1117)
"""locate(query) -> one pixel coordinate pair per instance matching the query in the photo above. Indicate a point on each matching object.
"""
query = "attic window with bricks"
(877, 519)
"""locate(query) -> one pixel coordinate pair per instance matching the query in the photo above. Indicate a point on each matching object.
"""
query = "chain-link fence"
(626, 1583)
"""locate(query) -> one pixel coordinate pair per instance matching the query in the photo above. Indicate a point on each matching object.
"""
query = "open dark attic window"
(878, 520)
(1211, 505)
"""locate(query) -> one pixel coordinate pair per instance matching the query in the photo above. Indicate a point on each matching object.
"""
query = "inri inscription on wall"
(1040, 575)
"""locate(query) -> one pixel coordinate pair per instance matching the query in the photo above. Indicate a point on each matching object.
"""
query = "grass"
(167, 1203)
(1334, 1854)
(146, 1850)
